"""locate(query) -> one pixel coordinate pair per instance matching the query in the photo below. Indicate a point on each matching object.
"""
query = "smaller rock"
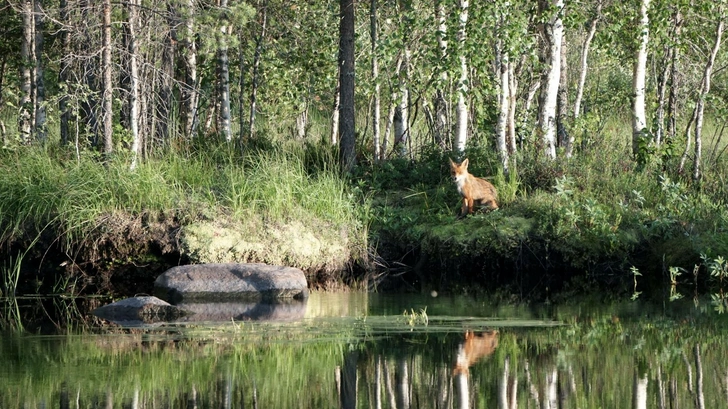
(144, 308)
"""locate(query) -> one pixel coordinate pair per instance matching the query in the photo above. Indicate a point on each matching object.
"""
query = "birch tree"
(224, 73)
(553, 31)
(461, 132)
(27, 58)
(376, 115)
(40, 103)
(263, 11)
(189, 88)
(639, 119)
(106, 69)
(132, 11)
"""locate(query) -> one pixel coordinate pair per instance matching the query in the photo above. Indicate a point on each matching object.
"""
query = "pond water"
(356, 350)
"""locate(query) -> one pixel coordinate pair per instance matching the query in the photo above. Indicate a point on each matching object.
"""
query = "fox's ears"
(464, 163)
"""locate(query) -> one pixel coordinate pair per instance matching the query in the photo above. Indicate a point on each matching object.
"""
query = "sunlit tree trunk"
(256, 68)
(461, 132)
(562, 101)
(189, 89)
(106, 69)
(224, 75)
(392, 110)
(551, 396)
(401, 117)
(501, 128)
(503, 385)
(25, 117)
(136, 145)
(584, 64)
(164, 102)
(376, 117)
(553, 31)
(513, 88)
(40, 107)
(700, 105)
(347, 153)
(639, 121)
(335, 116)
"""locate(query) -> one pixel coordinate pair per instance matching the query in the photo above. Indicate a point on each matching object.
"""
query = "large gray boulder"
(144, 308)
(231, 282)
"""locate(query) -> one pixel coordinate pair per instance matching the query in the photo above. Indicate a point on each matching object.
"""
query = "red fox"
(475, 191)
(473, 349)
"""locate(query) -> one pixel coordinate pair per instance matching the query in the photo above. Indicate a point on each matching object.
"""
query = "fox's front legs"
(467, 207)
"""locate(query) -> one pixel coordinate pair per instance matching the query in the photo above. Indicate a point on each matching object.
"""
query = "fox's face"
(458, 171)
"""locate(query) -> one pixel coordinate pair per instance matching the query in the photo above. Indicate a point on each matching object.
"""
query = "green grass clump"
(79, 198)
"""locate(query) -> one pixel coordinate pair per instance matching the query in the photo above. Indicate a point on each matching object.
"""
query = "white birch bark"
(25, 116)
(335, 114)
(440, 103)
(190, 95)
(401, 118)
(40, 107)
(376, 117)
(547, 117)
(108, 86)
(136, 144)
(584, 60)
(700, 106)
(501, 128)
(639, 119)
(224, 76)
(461, 137)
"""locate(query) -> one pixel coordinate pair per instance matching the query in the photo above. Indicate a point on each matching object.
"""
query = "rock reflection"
(289, 310)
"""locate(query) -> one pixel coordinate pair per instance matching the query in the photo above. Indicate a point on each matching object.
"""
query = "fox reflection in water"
(474, 348)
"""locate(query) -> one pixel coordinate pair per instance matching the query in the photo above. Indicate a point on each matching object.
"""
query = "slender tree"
(376, 116)
(553, 32)
(27, 57)
(263, 11)
(347, 152)
(462, 84)
(639, 121)
(133, 23)
(224, 73)
(106, 69)
(40, 103)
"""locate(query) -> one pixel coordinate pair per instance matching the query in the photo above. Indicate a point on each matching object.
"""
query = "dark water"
(382, 351)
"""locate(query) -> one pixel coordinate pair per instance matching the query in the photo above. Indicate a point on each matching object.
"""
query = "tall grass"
(40, 187)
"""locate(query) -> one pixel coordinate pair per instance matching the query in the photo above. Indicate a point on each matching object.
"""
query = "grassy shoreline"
(78, 225)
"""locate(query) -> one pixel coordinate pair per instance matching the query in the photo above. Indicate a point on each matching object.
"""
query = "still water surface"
(357, 350)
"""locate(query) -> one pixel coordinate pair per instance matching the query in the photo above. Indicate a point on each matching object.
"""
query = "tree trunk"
(462, 85)
(547, 117)
(347, 152)
(256, 69)
(401, 118)
(639, 121)
(63, 73)
(705, 89)
(501, 127)
(164, 102)
(442, 127)
(136, 145)
(335, 113)
(674, 80)
(376, 117)
(639, 394)
(189, 89)
(108, 86)
(224, 75)
(562, 102)
(40, 108)
(584, 62)
(25, 117)
(513, 88)
(392, 110)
